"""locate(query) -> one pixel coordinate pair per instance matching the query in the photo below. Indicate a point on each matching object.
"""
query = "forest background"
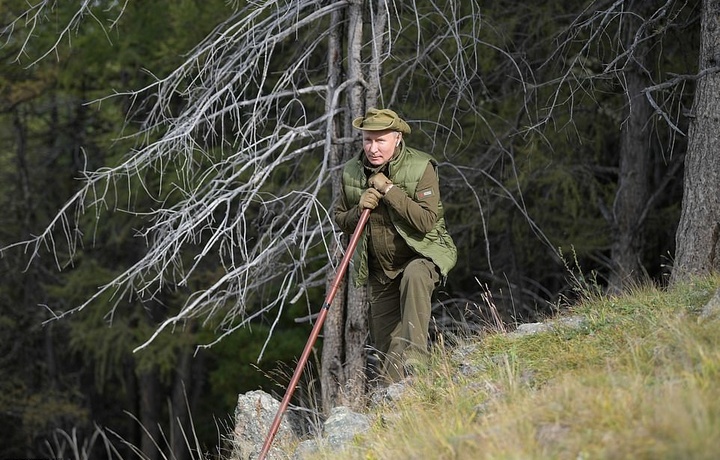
(169, 170)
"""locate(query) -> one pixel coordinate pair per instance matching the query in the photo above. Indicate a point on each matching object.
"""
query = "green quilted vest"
(405, 172)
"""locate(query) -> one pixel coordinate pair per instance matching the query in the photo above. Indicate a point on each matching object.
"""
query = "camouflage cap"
(381, 120)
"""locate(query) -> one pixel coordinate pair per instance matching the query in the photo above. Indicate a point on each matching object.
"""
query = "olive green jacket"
(405, 170)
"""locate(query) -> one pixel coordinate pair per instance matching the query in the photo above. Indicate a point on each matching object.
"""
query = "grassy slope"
(639, 379)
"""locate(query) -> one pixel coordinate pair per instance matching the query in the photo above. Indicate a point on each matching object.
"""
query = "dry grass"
(639, 379)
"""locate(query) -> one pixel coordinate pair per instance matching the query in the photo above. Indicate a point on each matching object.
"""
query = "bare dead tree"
(246, 106)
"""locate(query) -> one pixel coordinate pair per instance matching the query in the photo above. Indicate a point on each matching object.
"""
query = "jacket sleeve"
(346, 216)
(421, 210)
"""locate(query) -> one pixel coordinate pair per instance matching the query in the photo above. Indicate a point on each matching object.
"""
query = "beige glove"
(380, 182)
(370, 199)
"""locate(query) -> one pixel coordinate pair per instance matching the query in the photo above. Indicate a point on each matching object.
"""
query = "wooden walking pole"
(315, 331)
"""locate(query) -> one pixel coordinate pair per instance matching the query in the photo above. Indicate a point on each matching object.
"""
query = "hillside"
(636, 377)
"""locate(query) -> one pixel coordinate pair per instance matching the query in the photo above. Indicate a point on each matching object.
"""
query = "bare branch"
(254, 105)
(38, 13)
(676, 80)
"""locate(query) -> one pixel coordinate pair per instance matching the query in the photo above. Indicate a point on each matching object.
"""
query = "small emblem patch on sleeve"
(424, 194)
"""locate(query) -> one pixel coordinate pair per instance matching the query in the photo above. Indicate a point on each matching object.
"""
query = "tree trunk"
(180, 426)
(356, 339)
(634, 176)
(379, 21)
(343, 359)
(699, 228)
(357, 322)
(333, 350)
(354, 63)
(150, 405)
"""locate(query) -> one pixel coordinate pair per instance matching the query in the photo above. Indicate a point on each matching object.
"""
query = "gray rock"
(571, 322)
(712, 308)
(254, 416)
(342, 426)
(339, 431)
(307, 448)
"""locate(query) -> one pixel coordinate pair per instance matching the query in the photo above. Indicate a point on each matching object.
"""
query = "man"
(405, 249)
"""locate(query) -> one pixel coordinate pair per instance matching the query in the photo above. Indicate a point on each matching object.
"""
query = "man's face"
(380, 146)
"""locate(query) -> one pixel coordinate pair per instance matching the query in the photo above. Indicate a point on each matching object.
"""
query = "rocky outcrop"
(254, 416)
(256, 411)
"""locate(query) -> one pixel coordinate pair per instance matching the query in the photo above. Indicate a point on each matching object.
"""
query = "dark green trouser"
(400, 314)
